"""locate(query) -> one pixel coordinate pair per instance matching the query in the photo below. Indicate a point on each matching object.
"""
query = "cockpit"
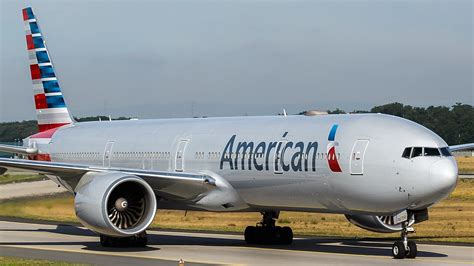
(412, 152)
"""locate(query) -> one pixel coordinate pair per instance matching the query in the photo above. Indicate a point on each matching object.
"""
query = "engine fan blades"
(126, 217)
(388, 220)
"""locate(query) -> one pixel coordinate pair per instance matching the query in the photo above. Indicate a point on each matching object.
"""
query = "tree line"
(455, 124)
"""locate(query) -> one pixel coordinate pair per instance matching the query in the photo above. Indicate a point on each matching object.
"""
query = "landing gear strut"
(139, 240)
(266, 232)
(404, 248)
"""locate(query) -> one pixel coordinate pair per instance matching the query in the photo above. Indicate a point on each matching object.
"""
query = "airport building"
(465, 153)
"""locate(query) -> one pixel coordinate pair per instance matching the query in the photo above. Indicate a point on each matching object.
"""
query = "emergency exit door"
(357, 156)
(179, 162)
(108, 153)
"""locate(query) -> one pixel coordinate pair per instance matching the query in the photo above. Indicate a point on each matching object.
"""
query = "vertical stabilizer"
(51, 109)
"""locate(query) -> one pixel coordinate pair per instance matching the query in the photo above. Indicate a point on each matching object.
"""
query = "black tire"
(141, 240)
(286, 235)
(398, 250)
(104, 241)
(412, 250)
(250, 235)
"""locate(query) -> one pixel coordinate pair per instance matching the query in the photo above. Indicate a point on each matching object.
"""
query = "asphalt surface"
(29, 189)
(77, 244)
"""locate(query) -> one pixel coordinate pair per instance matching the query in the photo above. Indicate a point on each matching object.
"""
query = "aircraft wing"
(467, 146)
(18, 149)
(168, 184)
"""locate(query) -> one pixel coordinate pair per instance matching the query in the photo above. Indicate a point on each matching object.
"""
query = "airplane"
(382, 172)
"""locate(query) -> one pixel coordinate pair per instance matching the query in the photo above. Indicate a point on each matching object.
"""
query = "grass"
(17, 178)
(10, 261)
(451, 220)
(465, 164)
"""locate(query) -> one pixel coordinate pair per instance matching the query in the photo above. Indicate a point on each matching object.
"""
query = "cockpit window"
(417, 151)
(445, 151)
(431, 152)
(406, 153)
(412, 152)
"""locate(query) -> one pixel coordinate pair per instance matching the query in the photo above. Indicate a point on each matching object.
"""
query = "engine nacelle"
(114, 204)
(379, 224)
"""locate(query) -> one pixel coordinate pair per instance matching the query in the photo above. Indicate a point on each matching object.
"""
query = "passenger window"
(406, 153)
(431, 152)
(417, 151)
(445, 151)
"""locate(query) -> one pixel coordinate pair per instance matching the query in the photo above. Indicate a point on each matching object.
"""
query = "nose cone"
(444, 176)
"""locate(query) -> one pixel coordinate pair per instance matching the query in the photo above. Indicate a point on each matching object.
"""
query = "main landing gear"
(404, 248)
(139, 240)
(266, 232)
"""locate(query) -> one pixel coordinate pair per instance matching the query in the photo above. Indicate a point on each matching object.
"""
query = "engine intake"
(115, 204)
(379, 224)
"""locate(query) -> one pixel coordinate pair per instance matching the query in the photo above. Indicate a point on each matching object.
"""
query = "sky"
(157, 59)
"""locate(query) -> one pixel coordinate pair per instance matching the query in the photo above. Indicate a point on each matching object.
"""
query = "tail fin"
(51, 108)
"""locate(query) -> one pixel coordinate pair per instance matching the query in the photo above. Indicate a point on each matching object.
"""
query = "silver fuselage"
(289, 171)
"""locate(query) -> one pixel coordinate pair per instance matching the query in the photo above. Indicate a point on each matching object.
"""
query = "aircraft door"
(108, 153)
(357, 156)
(179, 160)
(277, 163)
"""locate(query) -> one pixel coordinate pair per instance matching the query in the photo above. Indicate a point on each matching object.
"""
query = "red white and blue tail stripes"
(51, 108)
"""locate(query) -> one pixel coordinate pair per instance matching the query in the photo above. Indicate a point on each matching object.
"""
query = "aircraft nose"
(444, 176)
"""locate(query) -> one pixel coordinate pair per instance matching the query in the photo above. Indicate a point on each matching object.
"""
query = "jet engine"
(114, 204)
(379, 224)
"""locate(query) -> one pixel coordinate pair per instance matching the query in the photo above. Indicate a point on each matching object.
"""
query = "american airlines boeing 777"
(382, 172)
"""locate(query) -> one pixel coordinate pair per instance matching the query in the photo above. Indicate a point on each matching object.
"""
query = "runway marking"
(115, 254)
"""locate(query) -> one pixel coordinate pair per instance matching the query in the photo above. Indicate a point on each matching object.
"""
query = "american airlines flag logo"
(331, 150)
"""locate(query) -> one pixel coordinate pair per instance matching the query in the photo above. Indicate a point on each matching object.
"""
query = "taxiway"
(77, 244)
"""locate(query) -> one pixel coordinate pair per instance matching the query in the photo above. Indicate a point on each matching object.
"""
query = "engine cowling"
(114, 204)
(379, 224)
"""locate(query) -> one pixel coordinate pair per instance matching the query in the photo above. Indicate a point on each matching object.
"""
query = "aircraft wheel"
(104, 241)
(398, 250)
(140, 240)
(412, 250)
(250, 234)
(286, 235)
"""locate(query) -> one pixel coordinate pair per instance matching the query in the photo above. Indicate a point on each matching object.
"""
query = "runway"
(76, 244)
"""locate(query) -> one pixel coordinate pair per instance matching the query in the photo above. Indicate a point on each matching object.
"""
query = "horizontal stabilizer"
(18, 149)
(461, 147)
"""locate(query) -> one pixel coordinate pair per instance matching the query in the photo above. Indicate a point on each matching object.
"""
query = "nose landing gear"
(405, 248)
(266, 232)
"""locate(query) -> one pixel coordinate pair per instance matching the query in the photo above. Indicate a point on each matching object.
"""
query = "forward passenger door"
(357, 156)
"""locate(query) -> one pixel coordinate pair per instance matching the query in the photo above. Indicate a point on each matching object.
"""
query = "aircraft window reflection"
(431, 152)
(417, 151)
(445, 151)
(412, 152)
(406, 153)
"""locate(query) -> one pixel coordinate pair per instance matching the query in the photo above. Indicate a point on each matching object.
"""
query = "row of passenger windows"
(71, 155)
(210, 155)
(147, 154)
(233, 155)
(412, 152)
